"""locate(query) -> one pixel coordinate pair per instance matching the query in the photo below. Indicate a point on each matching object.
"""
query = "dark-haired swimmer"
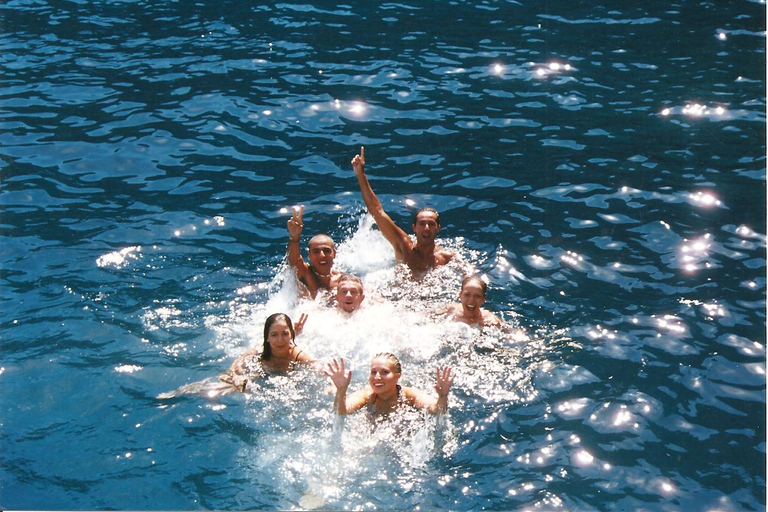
(383, 394)
(421, 256)
(278, 356)
(319, 272)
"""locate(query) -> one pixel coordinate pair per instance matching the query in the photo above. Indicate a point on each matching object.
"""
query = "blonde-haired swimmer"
(319, 272)
(349, 293)
(278, 355)
(383, 394)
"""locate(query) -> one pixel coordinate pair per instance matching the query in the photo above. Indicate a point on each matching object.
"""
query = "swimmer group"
(279, 353)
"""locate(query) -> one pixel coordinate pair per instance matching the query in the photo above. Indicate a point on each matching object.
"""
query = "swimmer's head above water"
(322, 253)
(384, 376)
(349, 293)
(421, 256)
(426, 225)
(474, 292)
(319, 272)
(383, 394)
(278, 332)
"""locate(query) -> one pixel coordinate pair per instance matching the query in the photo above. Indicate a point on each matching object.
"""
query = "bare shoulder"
(416, 397)
(411, 394)
(490, 319)
(335, 276)
(302, 356)
(360, 398)
(443, 255)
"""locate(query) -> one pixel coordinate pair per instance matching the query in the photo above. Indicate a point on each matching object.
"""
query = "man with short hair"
(421, 256)
(349, 293)
(319, 272)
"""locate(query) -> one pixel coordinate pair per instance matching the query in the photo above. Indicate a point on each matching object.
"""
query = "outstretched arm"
(341, 379)
(443, 387)
(295, 227)
(237, 373)
(421, 400)
(398, 238)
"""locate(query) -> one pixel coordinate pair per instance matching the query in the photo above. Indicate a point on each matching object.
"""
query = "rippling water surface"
(602, 163)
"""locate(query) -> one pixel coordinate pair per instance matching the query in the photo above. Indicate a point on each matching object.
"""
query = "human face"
(279, 337)
(383, 378)
(321, 254)
(426, 227)
(472, 298)
(349, 295)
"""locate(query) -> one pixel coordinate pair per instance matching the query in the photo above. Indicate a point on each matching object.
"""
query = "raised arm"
(341, 379)
(398, 238)
(295, 227)
(432, 405)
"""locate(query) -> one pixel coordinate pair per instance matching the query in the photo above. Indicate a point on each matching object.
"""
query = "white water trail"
(317, 459)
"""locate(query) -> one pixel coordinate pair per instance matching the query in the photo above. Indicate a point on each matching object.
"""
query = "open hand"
(358, 163)
(338, 375)
(444, 381)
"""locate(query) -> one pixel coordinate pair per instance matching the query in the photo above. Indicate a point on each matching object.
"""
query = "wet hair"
(392, 358)
(266, 353)
(427, 209)
(477, 278)
(351, 278)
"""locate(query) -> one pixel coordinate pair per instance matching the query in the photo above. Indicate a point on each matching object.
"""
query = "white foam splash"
(119, 259)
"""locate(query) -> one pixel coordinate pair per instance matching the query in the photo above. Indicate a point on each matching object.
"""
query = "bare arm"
(237, 373)
(398, 238)
(341, 378)
(295, 227)
(444, 311)
(432, 405)
(491, 320)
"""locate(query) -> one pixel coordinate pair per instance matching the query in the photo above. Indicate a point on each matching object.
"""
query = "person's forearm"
(294, 250)
(369, 197)
(440, 406)
(340, 402)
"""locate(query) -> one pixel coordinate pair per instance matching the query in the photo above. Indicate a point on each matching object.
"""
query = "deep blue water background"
(148, 152)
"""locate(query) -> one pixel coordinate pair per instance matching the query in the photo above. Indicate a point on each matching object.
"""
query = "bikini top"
(252, 364)
(372, 405)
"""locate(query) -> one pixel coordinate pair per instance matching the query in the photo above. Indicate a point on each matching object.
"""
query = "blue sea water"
(602, 163)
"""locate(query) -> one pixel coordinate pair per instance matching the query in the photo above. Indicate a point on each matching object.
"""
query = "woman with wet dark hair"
(278, 356)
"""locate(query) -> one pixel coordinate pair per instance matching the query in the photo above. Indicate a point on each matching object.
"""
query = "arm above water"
(432, 405)
(295, 227)
(341, 378)
(513, 333)
(445, 311)
(398, 238)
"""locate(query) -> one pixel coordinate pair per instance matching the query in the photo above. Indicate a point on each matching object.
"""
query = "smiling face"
(426, 226)
(349, 295)
(279, 337)
(472, 297)
(383, 377)
(322, 253)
